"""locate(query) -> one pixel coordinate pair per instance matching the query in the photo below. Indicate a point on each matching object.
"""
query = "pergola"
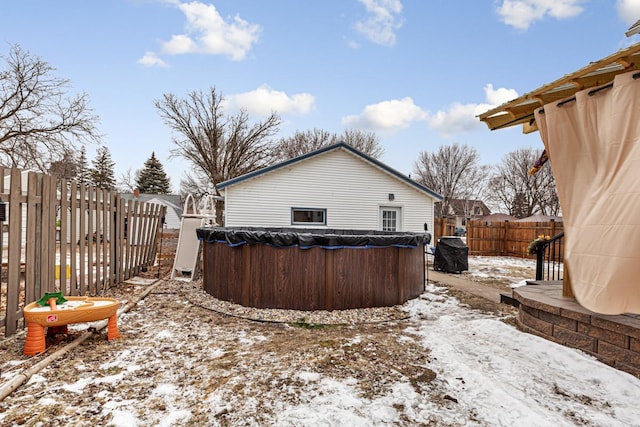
(589, 123)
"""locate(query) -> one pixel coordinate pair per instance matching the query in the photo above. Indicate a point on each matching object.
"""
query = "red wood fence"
(504, 238)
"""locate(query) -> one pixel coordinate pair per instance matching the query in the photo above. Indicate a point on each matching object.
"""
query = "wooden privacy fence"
(507, 238)
(58, 235)
(499, 238)
(442, 227)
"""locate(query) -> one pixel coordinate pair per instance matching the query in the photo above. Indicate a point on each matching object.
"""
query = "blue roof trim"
(322, 150)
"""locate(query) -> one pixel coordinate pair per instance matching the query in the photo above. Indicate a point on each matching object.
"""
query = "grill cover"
(452, 255)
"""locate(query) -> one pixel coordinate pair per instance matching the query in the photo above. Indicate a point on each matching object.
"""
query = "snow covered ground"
(445, 365)
(501, 376)
(508, 272)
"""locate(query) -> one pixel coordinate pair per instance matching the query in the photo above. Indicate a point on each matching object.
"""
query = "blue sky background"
(416, 72)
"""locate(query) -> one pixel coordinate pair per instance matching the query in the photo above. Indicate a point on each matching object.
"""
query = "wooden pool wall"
(264, 276)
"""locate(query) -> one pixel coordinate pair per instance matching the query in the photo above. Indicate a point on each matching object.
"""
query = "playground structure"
(185, 264)
(56, 312)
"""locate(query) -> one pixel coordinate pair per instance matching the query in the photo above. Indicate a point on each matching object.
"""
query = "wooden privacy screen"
(264, 276)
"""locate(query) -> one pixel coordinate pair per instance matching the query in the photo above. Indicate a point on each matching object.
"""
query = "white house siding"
(351, 190)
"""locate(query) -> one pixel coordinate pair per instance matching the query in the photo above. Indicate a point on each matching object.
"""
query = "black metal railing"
(550, 259)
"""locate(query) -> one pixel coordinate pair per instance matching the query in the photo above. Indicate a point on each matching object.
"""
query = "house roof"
(461, 207)
(323, 150)
(173, 199)
(170, 200)
(498, 217)
(598, 73)
(540, 218)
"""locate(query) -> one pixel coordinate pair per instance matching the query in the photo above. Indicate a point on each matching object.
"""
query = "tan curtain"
(594, 149)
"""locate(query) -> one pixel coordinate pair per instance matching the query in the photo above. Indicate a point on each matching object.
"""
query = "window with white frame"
(390, 218)
(306, 216)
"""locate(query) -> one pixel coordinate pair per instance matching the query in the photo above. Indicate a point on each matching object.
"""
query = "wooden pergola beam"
(598, 73)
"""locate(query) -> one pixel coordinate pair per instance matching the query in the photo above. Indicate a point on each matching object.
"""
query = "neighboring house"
(497, 217)
(462, 210)
(334, 187)
(173, 203)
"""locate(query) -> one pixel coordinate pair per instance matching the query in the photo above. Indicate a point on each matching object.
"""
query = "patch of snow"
(165, 390)
(123, 418)
(332, 403)
(78, 386)
(47, 401)
(519, 284)
(164, 334)
(173, 418)
(37, 378)
(308, 376)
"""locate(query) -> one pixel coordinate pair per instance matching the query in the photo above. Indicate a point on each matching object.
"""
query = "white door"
(390, 219)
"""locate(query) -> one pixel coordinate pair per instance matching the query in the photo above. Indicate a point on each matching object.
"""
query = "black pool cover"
(310, 238)
(452, 255)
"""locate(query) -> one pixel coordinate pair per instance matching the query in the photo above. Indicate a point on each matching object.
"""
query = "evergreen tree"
(83, 174)
(102, 174)
(152, 179)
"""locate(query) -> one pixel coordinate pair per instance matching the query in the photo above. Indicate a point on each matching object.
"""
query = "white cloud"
(264, 100)
(499, 96)
(382, 21)
(207, 32)
(461, 118)
(628, 10)
(179, 44)
(150, 59)
(521, 14)
(386, 115)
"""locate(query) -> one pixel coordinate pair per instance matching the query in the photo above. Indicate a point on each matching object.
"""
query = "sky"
(493, 374)
(415, 72)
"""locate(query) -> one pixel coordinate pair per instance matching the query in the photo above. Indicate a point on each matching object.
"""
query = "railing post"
(539, 262)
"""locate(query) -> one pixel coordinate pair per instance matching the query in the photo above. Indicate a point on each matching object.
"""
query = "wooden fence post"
(63, 229)
(73, 238)
(13, 262)
(33, 235)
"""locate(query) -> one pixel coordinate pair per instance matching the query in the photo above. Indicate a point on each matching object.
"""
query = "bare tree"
(303, 142)
(65, 168)
(473, 188)
(127, 181)
(453, 171)
(220, 147)
(39, 123)
(519, 193)
(367, 142)
(195, 183)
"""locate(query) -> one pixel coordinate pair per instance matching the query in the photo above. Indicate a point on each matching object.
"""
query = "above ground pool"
(312, 269)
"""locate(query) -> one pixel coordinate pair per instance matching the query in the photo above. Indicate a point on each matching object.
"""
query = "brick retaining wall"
(614, 340)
